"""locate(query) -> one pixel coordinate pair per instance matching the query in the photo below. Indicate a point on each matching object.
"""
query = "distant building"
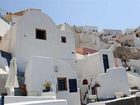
(112, 32)
(137, 37)
(109, 34)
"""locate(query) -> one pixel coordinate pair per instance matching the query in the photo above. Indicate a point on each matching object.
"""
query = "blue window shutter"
(72, 85)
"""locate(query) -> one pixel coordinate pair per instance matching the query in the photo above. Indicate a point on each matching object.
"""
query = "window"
(41, 34)
(85, 82)
(72, 85)
(63, 39)
(62, 84)
(94, 88)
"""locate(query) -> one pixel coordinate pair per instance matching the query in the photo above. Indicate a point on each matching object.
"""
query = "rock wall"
(127, 53)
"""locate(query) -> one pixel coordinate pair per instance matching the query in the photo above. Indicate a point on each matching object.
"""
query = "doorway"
(105, 62)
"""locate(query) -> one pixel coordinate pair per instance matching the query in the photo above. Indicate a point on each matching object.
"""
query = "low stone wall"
(130, 101)
(127, 101)
(32, 100)
(137, 100)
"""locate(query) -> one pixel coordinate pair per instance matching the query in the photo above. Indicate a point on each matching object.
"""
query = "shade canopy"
(12, 81)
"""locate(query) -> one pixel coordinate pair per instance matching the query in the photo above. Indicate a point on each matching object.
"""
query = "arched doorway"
(85, 82)
(94, 88)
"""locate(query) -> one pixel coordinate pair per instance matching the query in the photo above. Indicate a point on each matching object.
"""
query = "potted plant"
(47, 86)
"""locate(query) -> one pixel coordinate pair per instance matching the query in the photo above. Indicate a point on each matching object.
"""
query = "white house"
(115, 80)
(89, 67)
(112, 32)
(63, 78)
(33, 33)
(84, 36)
(90, 29)
(129, 31)
(47, 52)
(36, 36)
(108, 34)
(94, 64)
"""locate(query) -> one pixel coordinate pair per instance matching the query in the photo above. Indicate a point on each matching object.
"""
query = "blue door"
(105, 62)
(72, 85)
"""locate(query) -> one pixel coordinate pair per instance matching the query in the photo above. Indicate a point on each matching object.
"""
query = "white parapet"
(36, 100)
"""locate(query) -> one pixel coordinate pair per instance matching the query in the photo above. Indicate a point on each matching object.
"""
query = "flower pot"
(47, 89)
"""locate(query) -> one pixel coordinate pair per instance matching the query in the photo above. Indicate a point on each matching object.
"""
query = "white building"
(90, 29)
(59, 72)
(33, 34)
(115, 80)
(109, 34)
(112, 32)
(36, 36)
(89, 67)
(129, 31)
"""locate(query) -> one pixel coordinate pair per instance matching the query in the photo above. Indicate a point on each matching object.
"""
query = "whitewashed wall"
(92, 64)
(97, 103)
(32, 100)
(4, 27)
(8, 41)
(90, 67)
(115, 80)
(4, 31)
(133, 79)
(40, 69)
(24, 44)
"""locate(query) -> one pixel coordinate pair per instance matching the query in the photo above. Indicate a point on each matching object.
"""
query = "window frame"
(65, 79)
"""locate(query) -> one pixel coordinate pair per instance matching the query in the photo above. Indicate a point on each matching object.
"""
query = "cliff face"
(127, 53)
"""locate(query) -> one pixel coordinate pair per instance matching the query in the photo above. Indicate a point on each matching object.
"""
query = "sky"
(112, 14)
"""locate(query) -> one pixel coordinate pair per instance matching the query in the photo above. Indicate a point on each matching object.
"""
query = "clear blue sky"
(118, 14)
